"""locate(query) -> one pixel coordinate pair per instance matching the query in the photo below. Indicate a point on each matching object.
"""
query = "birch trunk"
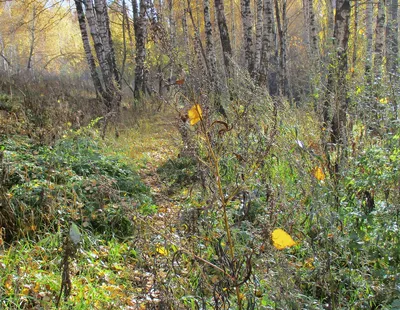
(186, 37)
(336, 101)
(355, 36)
(312, 28)
(259, 37)
(86, 46)
(393, 50)
(247, 25)
(109, 85)
(210, 50)
(379, 39)
(98, 44)
(141, 35)
(392, 38)
(268, 62)
(224, 36)
(281, 26)
(368, 30)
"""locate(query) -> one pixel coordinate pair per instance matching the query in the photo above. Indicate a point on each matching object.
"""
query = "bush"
(44, 187)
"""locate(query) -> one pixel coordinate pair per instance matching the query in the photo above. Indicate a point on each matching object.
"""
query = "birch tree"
(224, 35)
(368, 30)
(268, 60)
(336, 101)
(108, 86)
(259, 36)
(247, 26)
(140, 22)
(379, 39)
(210, 50)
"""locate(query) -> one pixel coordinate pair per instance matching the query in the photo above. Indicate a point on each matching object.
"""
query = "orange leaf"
(180, 82)
(195, 114)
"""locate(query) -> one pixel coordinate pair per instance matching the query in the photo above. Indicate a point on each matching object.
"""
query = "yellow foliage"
(161, 250)
(383, 100)
(281, 239)
(195, 114)
(319, 173)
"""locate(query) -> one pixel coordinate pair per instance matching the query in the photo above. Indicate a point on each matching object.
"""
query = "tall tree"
(336, 101)
(140, 22)
(247, 26)
(379, 39)
(393, 48)
(281, 24)
(108, 86)
(224, 35)
(311, 26)
(355, 35)
(368, 30)
(268, 59)
(259, 36)
(392, 37)
(210, 50)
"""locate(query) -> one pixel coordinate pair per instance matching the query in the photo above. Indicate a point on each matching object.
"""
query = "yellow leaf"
(8, 283)
(25, 291)
(319, 173)
(309, 263)
(195, 114)
(383, 100)
(281, 239)
(161, 250)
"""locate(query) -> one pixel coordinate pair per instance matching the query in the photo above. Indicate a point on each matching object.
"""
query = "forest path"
(148, 142)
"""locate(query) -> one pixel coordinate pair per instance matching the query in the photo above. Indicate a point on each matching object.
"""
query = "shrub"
(44, 187)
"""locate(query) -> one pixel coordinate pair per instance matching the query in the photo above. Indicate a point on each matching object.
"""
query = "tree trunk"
(336, 98)
(141, 35)
(312, 28)
(368, 30)
(355, 36)
(281, 26)
(393, 50)
(247, 25)
(105, 34)
(98, 45)
(268, 61)
(233, 21)
(224, 36)
(259, 37)
(210, 50)
(99, 24)
(379, 40)
(86, 46)
(186, 37)
(392, 38)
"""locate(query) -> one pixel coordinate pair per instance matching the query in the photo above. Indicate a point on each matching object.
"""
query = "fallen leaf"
(281, 239)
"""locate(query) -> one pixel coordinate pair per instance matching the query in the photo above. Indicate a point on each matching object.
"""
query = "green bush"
(44, 187)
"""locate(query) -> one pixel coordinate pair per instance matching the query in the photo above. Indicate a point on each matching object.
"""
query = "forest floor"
(152, 238)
